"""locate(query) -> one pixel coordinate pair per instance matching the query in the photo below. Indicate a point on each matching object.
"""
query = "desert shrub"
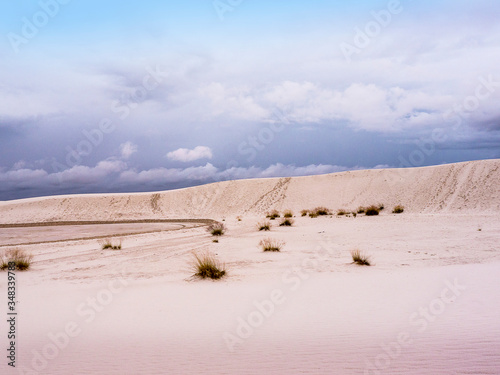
(359, 258)
(322, 211)
(264, 226)
(313, 214)
(269, 244)
(207, 266)
(304, 212)
(216, 229)
(398, 209)
(372, 211)
(107, 244)
(354, 214)
(361, 210)
(286, 222)
(273, 214)
(238, 218)
(288, 213)
(19, 257)
(342, 212)
(381, 207)
(215, 240)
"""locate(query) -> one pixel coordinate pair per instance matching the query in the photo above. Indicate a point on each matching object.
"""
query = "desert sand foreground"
(428, 304)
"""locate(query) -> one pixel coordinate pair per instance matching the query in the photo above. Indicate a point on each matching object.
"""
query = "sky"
(128, 96)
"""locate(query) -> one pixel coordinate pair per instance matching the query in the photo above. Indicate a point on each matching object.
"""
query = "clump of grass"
(372, 211)
(107, 244)
(207, 266)
(273, 215)
(398, 209)
(322, 211)
(304, 212)
(19, 257)
(238, 218)
(286, 222)
(288, 213)
(342, 212)
(216, 229)
(264, 226)
(215, 241)
(359, 258)
(313, 214)
(361, 210)
(269, 244)
(381, 207)
(354, 214)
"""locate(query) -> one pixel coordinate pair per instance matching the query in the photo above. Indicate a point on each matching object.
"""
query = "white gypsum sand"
(427, 305)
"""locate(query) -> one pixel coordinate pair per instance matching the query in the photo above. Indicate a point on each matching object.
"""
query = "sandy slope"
(428, 305)
(467, 187)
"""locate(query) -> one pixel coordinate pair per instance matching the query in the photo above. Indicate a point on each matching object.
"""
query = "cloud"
(186, 155)
(127, 149)
(117, 173)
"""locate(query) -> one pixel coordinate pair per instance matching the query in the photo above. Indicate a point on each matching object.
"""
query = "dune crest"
(469, 187)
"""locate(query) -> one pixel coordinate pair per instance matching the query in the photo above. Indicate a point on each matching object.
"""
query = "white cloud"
(186, 155)
(169, 175)
(127, 149)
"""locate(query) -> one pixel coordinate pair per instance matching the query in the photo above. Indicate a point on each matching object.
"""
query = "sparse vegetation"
(107, 244)
(381, 207)
(215, 241)
(322, 211)
(359, 258)
(354, 214)
(286, 222)
(207, 266)
(216, 229)
(372, 211)
(273, 215)
(398, 209)
(288, 213)
(19, 257)
(304, 212)
(313, 214)
(361, 210)
(264, 226)
(238, 218)
(342, 212)
(269, 244)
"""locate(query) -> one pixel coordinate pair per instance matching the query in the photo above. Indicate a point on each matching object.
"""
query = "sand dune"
(468, 187)
(428, 305)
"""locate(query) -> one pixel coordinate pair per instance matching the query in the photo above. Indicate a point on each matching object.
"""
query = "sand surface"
(428, 305)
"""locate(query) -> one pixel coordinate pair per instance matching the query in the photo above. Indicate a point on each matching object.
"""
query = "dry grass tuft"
(273, 215)
(107, 244)
(264, 226)
(398, 209)
(286, 222)
(207, 266)
(269, 244)
(342, 212)
(216, 229)
(359, 258)
(288, 213)
(20, 259)
(372, 211)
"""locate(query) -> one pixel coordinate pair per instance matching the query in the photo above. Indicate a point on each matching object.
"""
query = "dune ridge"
(468, 187)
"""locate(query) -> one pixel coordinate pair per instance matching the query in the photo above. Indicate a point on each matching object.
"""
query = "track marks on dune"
(272, 198)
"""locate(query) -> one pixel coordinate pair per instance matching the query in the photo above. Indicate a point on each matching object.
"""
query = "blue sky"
(105, 96)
